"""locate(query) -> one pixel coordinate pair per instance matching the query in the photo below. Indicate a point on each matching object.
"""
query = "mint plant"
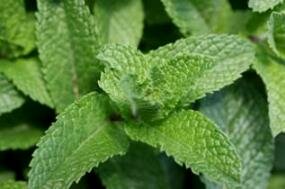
(142, 94)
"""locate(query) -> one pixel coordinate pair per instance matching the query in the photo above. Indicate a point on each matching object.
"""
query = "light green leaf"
(152, 85)
(125, 75)
(18, 131)
(277, 181)
(82, 137)
(10, 98)
(26, 76)
(120, 21)
(232, 56)
(68, 44)
(194, 141)
(263, 5)
(276, 33)
(272, 73)
(177, 80)
(199, 16)
(10, 184)
(17, 35)
(241, 112)
(140, 168)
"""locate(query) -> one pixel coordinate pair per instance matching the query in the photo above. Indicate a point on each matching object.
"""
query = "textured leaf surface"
(27, 76)
(173, 81)
(199, 16)
(120, 21)
(10, 98)
(263, 5)
(241, 112)
(10, 184)
(194, 141)
(125, 76)
(276, 33)
(67, 42)
(80, 139)
(273, 75)
(232, 56)
(17, 29)
(176, 74)
(140, 168)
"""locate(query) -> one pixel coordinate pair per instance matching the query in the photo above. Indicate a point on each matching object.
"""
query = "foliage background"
(158, 30)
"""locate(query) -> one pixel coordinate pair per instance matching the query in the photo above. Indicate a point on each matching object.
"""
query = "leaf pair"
(83, 137)
(172, 76)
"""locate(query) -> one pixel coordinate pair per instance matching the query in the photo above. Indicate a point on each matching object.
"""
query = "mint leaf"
(263, 5)
(125, 76)
(174, 75)
(18, 136)
(194, 141)
(18, 130)
(27, 77)
(10, 184)
(10, 98)
(145, 84)
(232, 56)
(240, 111)
(276, 33)
(67, 42)
(272, 73)
(120, 21)
(80, 139)
(199, 16)
(17, 35)
(176, 80)
(140, 168)
(277, 181)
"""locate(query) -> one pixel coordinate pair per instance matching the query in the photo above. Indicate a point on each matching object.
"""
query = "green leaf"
(125, 75)
(27, 77)
(199, 16)
(194, 141)
(277, 181)
(10, 99)
(18, 131)
(231, 54)
(272, 73)
(80, 139)
(17, 35)
(276, 33)
(175, 75)
(6, 175)
(68, 44)
(10, 184)
(177, 80)
(263, 5)
(120, 21)
(140, 168)
(241, 112)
